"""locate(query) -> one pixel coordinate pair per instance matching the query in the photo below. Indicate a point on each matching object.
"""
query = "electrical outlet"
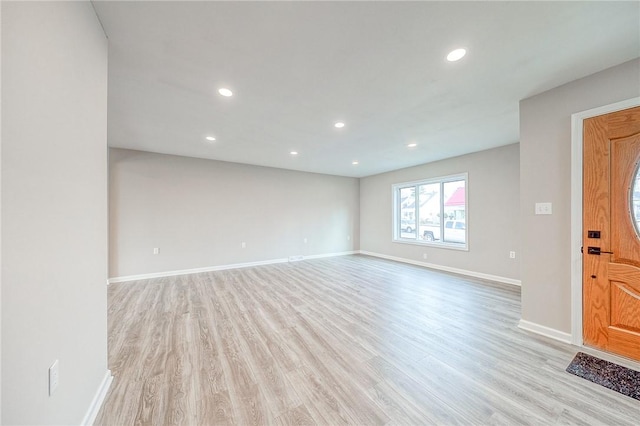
(424, 256)
(243, 245)
(156, 250)
(54, 376)
(305, 241)
(512, 255)
(348, 237)
(544, 208)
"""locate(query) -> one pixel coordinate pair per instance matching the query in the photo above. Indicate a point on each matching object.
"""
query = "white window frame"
(395, 190)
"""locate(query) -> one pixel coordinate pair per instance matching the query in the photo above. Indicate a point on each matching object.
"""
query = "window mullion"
(442, 219)
(417, 204)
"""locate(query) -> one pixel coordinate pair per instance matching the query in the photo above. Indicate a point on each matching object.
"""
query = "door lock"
(597, 251)
(593, 234)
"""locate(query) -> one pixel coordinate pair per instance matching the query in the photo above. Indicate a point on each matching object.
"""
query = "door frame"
(576, 208)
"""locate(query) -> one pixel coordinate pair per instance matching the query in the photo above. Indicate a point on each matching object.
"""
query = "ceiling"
(296, 68)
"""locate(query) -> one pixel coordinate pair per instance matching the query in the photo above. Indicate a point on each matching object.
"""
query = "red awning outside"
(456, 199)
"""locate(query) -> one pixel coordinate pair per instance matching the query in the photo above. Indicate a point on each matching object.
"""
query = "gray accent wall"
(199, 212)
(54, 210)
(493, 216)
(545, 176)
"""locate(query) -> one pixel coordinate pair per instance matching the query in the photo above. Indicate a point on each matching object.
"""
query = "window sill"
(448, 246)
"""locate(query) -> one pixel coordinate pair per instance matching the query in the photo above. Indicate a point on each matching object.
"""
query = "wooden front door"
(611, 207)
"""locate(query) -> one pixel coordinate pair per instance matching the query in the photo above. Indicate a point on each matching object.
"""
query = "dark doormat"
(607, 374)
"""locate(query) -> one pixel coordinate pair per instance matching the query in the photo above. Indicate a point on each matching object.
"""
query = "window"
(432, 211)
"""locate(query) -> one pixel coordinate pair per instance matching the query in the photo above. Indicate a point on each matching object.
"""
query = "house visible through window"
(432, 211)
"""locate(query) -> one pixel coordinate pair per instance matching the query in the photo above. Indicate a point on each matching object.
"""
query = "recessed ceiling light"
(225, 92)
(210, 138)
(456, 55)
(355, 163)
(412, 145)
(339, 124)
(294, 153)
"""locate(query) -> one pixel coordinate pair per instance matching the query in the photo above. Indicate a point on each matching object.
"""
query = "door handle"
(597, 251)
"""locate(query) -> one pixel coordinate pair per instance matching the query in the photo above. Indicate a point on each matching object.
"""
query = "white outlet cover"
(544, 208)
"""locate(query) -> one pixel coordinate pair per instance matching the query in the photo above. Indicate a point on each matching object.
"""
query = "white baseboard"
(474, 274)
(545, 331)
(342, 253)
(314, 256)
(98, 399)
(194, 270)
(223, 267)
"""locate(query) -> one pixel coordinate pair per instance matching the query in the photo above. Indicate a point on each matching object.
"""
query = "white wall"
(0, 212)
(493, 213)
(198, 212)
(545, 176)
(54, 209)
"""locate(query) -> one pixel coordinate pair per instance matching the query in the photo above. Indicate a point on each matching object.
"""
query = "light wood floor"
(344, 340)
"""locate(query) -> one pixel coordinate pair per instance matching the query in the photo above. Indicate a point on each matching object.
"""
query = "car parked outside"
(407, 225)
(430, 232)
(455, 231)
